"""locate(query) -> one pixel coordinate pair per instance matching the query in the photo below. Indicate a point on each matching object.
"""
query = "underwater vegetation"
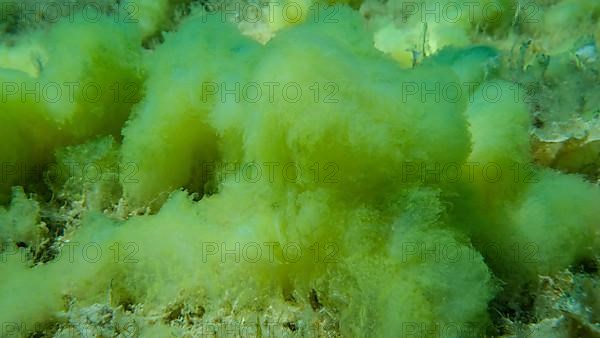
(393, 168)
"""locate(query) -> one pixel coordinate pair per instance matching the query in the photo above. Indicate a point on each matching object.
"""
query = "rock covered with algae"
(300, 182)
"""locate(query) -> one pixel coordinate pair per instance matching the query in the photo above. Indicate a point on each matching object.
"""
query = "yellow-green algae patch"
(389, 244)
(87, 80)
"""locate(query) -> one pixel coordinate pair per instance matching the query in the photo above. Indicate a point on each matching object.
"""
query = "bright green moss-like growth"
(177, 106)
(392, 241)
(85, 80)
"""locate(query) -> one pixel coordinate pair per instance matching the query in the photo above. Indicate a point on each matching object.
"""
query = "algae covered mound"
(361, 169)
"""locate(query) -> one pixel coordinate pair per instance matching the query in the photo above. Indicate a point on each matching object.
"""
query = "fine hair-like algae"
(361, 232)
(85, 79)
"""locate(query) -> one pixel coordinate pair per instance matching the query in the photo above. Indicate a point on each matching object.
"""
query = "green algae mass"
(303, 184)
